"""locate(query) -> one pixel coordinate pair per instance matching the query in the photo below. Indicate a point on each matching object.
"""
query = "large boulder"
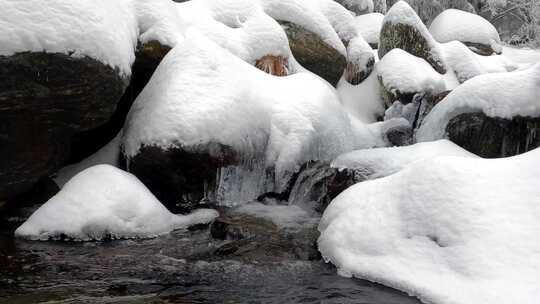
(492, 115)
(494, 137)
(403, 29)
(473, 30)
(314, 53)
(45, 99)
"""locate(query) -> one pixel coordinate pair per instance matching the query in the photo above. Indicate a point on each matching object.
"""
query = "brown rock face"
(494, 137)
(45, 98)
(273, 65)
(314, 54)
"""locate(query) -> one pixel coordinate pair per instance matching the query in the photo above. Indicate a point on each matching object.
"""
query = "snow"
(103, 201)
(448, 230)
(363, 101)
(369, 26)
(203, 94)
(78, 28)
(403, 72)
(523, 56)
(453, 24)
(380, 162)
(357, 6)
(503, 95)
(109, 155)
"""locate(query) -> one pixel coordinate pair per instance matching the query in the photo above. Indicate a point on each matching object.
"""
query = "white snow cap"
(403, 72)
(380, 162)
(369, 26)
(102, 29)
(449, 230)
(104, 201)
(503, 95)
(453, 24)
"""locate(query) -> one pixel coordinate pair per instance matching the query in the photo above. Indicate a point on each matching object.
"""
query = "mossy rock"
(314, 54)
(409, 39)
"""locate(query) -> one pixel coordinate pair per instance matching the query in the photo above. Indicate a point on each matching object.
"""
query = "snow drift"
(449, 230)
(105, 202)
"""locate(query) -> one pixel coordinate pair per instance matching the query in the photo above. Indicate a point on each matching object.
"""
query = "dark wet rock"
(251, 237)
(399, 135)
(425, 104)
(181, 177)
(414, 40)
(494, 137)
(314, 54)
(45, 99)
(147, 58)
(317, 184)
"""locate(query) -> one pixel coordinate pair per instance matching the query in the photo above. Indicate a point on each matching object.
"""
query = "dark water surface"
(177, 268)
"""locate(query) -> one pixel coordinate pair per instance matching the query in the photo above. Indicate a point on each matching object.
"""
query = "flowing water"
(181, 267)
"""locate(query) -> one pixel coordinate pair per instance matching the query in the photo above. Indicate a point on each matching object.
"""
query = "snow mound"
(380, 162)
(202, 94)
(453, 24)
(75, 27)
(449, 230)
(369, 26)
(503, 95)
(363, 101)
(404, 73)
(103, 202)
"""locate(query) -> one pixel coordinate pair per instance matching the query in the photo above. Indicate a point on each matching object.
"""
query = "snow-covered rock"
(76, 28)
(358, 7)
(105, 202)
(498, 95)
(402, 28)
(204, 102)
(369, 26)
(471, 29)
(381, 162)
(449, 230)
(403, 75)
(361, 61)
(363, 101)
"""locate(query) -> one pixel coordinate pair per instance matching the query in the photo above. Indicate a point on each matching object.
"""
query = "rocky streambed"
(248, 255)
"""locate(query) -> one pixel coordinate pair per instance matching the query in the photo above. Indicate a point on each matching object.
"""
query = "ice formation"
(448, 230)
(503, 95)
(105, 202)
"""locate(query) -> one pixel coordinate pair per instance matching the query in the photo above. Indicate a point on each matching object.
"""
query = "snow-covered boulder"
(403, 75)
(358, 7)
(403, 29)
(63, 71)
(105, 202)
(381, 162)
(361, 61)
(429, 9)
(214, 126)
(369, 26)
(471, 29)
(363, 101)
(491, 115)
(449, 230)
